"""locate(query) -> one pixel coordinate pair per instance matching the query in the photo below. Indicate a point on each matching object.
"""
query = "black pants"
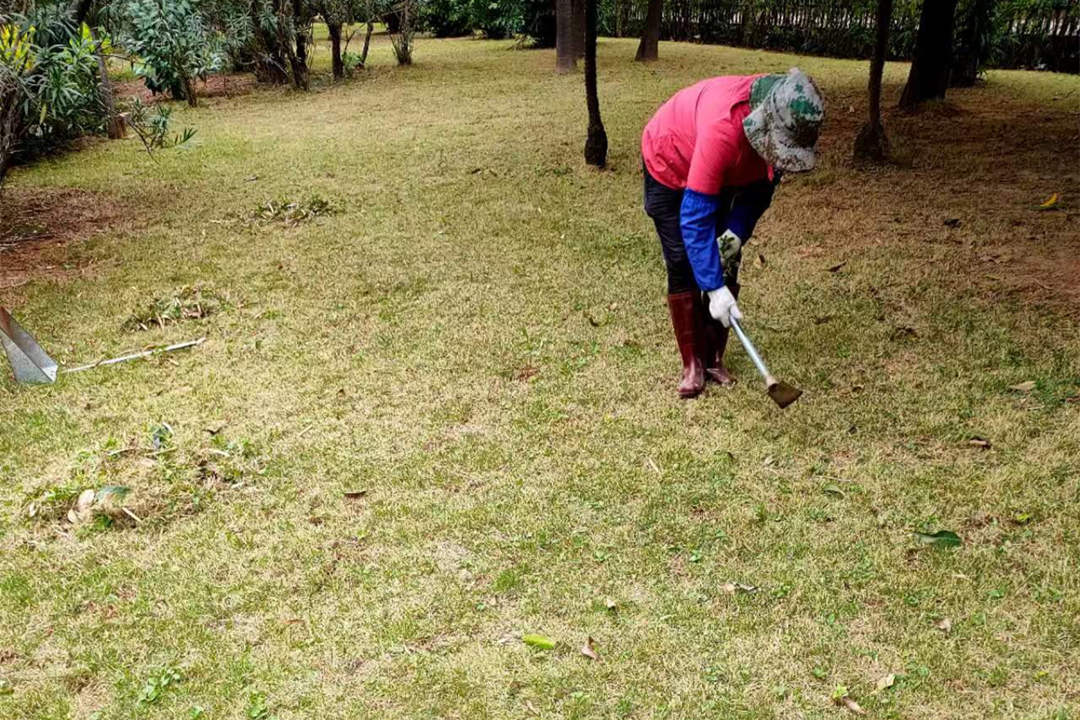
(663, 205)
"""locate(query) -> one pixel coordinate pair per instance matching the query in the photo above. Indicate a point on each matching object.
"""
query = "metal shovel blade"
(783, 394)
(29, 362)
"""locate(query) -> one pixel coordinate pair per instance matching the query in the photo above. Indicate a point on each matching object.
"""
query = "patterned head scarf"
(784, 122)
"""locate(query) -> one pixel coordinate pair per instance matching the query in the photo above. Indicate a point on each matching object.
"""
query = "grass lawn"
(473, 343)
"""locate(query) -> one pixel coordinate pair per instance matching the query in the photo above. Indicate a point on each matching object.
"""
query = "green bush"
(173, 46)
(48, 76)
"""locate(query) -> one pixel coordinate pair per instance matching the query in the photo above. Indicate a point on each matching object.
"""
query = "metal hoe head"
(783, 394)
(29, 362)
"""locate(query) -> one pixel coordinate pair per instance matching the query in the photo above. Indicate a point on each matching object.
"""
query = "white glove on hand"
(722, 306)
(730, 245)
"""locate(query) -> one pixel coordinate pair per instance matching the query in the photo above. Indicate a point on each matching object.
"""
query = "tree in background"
(401, 38)
(173, 46)
(871, 144)
(973, 41)
(929, 75)
(649, 47)
(565, 57)
(577, 28)
(596, 141)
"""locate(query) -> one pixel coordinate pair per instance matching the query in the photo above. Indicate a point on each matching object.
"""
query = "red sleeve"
(716, 150)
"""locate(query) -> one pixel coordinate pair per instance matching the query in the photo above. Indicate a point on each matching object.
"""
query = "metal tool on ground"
(781, 393)
(32, 365)
(136, 356)
(29, 362)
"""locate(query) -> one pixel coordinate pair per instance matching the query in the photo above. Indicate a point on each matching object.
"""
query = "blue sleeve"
(749, 205)
(697, 218)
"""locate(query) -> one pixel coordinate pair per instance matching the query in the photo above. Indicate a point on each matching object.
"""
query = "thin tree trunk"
(189, 91)
(929, 76)
(367, 43)
(596, 142)
(335, 49)
(871, 144)
(565, 59)
(972, 44)
(649, 47)
(115, 125)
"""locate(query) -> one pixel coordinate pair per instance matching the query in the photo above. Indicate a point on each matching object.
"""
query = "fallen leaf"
(609, 603)
(833, 490)
(942, 538)
(588, 650)
(944, 625)
(215, 428)
(952, 222)
(86, 500)
(354, 494)
(836, 268)
(761, 260)
(733, 587)
(1026, 386)
(1049, 202)
(1073, 398)
(886, 682)
(852, 705)
(979, 442)
(540, 642)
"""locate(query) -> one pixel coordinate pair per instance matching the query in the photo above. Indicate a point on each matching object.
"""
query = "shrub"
(173, 46)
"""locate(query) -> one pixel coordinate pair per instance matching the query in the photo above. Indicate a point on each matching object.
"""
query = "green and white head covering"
(787, 111)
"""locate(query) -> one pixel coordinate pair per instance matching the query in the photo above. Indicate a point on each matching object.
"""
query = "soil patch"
(36, 225)
(973, 176)
(222, 85)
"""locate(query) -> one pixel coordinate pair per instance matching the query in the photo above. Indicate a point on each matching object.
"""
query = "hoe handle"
(753, 353)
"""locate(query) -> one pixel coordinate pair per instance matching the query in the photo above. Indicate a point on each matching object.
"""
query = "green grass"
(476, 337)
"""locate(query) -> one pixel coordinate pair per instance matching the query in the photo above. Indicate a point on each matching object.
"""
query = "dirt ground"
(38, 228)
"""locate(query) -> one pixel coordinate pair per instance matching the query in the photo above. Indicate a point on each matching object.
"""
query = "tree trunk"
(335, 49)
(565, 59)
(270, 62)
(973, 43)
(871, 144)
(115, 125)
(78, 11)
(649, 47)
(596, 141)
(929, 76)
(189, 91)
(10, 124)
(578, 26)
(367, 43)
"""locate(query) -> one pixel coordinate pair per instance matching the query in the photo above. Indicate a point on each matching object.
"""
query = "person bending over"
(713, 154)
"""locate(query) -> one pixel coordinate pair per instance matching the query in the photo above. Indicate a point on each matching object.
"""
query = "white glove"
(722, 306)
(730, 245)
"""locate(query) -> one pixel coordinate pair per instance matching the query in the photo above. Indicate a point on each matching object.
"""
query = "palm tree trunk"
(929, 76)
(565, 59)
(649, 47)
